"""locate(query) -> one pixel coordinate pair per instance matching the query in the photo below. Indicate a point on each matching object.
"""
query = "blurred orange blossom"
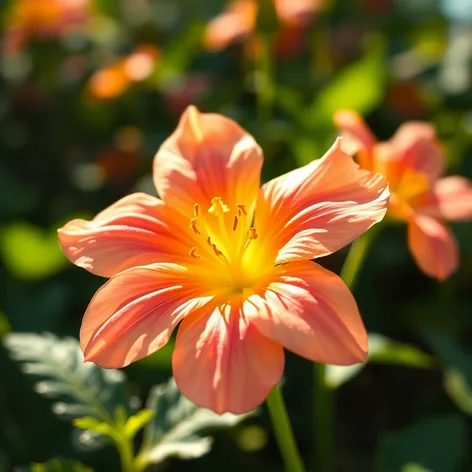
(42, 19)
(413, 163)
(112, 81)
(228, 261)
(238, 22)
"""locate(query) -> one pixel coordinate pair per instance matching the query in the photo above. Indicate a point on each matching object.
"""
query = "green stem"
(323, 396)
(125, 449)
(283, 431)
(356, 257)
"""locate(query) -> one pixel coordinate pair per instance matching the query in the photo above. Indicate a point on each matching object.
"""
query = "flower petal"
(136, 230)
(418, 149)
(450, 199)
(223, 363)
(317, 209)
(310, 311)
(236, 23)
(433, 246)
(208, 156)
(134, 313)
(357, 137)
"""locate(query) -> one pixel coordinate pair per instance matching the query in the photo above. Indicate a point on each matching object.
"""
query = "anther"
(217, 251)
(193, 253)
(195, 209)
(218, 208)
(235, 223)
(252, 233)
(193, 225)
(242, 209)
(209, 241)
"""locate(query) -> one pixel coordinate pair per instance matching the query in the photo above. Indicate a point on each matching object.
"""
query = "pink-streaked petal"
(357, 137)
(310, 311)
(317, 209)
(433, 246)
(136, 230)
(450, 199)
(223, 363)
(415, 143)
(208, 156)
(134, 313)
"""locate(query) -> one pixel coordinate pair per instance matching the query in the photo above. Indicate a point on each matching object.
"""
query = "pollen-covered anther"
(193, 225)
(218, 207)
(235, 223)
(252, 233)
(193, 253)
(242, 210)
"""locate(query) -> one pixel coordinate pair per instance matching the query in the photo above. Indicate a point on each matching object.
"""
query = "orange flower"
(229, 261)
(114, 80)
(413, 162)
(42, 18)
(238, 22)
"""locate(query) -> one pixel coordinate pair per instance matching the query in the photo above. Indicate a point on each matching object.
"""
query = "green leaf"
(30, 253)
(360, 86)
(93, 425)
(56, 465)
(80, 389)
(414, 468)
(137, 422)
(438, 444)
(179, 425)
(382, 350)
(457, 373)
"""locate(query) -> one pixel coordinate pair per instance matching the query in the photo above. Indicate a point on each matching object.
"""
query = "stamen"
(235, 223)
(209, 241)
(242, 209)
(193, 253)
(218, 208)
(217, 251)
(193, 225)
(252, 233)
(196, 209)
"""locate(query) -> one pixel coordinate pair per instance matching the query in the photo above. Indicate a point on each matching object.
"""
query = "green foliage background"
(392, 60)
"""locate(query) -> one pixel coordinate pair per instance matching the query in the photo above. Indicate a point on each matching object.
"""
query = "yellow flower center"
(223, 236)
(407, 194)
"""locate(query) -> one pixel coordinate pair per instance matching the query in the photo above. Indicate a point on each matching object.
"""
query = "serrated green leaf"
(438, 444)
(81, 389)
(93, 425)
(56, 465)
(178, 426)
(382, 350)
(30, 253)
(137, 422)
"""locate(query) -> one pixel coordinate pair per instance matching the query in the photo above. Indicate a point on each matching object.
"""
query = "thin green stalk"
(125, 449)
(323, 396)
(283, 431)
(356, 257)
